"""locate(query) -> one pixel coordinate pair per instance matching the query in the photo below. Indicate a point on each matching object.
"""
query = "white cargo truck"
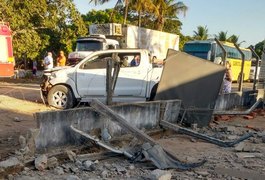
(129, 36)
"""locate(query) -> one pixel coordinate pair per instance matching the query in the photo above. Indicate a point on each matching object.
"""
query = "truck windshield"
(89, 45)
(198, 49)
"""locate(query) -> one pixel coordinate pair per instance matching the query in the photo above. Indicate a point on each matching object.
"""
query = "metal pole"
(242, 67)
(109, 82)
(223, 49)
(256, 68)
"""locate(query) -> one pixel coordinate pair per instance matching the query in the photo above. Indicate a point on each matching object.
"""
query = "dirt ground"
(20, 99)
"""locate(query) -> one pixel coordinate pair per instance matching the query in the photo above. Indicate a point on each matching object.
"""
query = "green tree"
(142, 7)
(118, 2)
(234, 39)
(260, 48)
(167, 9)
(101, 17)
(40, 25)
(183, 40)
(222, 36)
(201, 33)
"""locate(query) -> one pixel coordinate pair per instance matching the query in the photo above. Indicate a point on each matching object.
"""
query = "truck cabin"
(95, 43)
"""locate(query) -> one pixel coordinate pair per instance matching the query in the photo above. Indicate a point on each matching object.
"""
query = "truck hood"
(48, 72)
(79, 54)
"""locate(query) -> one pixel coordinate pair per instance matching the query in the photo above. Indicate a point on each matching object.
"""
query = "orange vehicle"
(6, 51)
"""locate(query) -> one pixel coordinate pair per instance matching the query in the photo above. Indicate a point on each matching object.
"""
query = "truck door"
(91, 76)
(132, 80)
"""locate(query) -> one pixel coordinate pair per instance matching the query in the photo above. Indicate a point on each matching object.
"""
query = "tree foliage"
(260, 48)
(201, 33)
(40, 25)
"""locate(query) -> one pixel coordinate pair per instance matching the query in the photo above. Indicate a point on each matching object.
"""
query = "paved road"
(23, 91)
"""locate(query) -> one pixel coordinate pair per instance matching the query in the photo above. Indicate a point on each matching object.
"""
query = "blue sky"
(245, 18)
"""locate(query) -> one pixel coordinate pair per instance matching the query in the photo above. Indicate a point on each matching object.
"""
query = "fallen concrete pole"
(106, 111)
(212, 140)
(98, 142)
(239, 112)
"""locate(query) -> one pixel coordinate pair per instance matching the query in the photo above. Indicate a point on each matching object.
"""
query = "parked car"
(63, 88)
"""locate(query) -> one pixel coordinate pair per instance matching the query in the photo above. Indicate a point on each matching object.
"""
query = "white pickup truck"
(63, 88)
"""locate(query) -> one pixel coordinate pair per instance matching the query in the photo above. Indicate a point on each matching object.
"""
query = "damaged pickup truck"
(64, 88)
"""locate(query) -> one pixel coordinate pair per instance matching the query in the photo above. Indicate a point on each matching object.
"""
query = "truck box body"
(130, 36)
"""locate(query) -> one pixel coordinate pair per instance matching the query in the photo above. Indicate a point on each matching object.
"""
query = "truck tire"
(153, 92)
(61, 97)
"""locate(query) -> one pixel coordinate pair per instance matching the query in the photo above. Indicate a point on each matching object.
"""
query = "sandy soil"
(18, 103)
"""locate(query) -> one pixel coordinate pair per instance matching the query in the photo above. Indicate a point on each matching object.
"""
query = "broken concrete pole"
(10, 166)
(41, 162)
(160, 175)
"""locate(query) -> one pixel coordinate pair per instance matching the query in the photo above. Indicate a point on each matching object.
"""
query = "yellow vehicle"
(209, 50)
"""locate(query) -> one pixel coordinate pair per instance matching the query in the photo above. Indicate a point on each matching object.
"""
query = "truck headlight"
(53, 75)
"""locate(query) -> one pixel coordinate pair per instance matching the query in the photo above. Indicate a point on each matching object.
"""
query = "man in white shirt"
(48, 61)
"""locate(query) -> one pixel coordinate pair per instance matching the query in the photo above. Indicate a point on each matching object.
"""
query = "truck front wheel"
(60, 97)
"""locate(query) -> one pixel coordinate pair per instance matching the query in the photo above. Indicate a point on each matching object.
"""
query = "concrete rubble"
(245, 159)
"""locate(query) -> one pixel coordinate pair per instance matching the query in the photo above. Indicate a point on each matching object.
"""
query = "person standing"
(34, 68)
(48, 61)
(61, 59)
(227, 82)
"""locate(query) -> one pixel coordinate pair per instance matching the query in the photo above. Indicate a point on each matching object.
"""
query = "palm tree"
(142, 6)
(201, 33)
(167, 9)
(234, 39)
(222, 36)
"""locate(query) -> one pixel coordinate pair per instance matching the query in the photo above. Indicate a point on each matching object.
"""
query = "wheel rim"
(59, 99)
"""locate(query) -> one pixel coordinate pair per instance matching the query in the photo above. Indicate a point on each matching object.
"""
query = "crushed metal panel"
(195, 81)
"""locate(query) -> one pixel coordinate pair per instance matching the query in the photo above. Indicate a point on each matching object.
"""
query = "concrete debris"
(248, 117)
(11, 165)
(230, 129)
(202, 173)
(242, 174)
(31, 136)
(105, 135)
(263, 139)
(72, 177)
(22, 141)
(58, 171)
(52, 163)
(160, 175)
(74, 169)
(243, 155)
(242, 147)
(17, 119)
(120, 169)
(71, 155)
(88, 165)
(132, 167)
(41, 162)
(104, 174)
